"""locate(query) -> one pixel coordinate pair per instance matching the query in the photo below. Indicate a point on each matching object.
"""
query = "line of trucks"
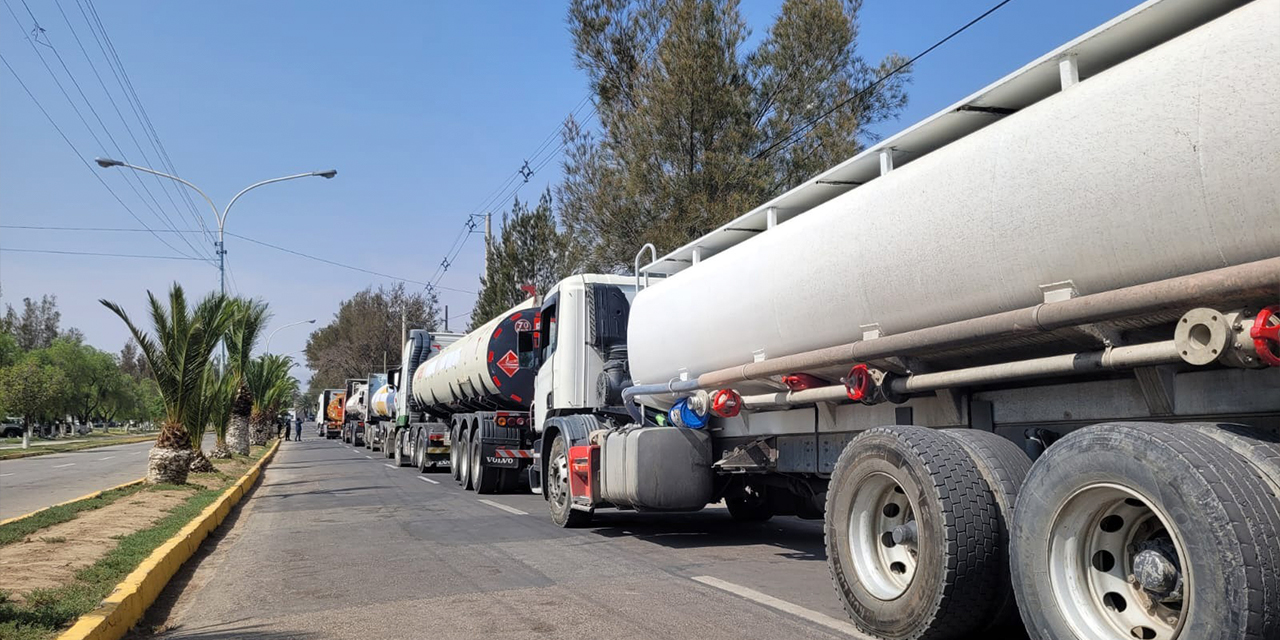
(1022, 358)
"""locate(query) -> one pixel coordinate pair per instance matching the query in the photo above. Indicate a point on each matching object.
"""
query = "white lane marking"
(59, 466)
(5, 475)
(369, 457)
(106, 458)
(428, 480)
(505, 507)
(390, 466)
(137, 452)
(781, 605)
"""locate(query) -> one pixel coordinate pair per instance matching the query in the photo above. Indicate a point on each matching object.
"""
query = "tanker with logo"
(462, 402)
(1022, 357)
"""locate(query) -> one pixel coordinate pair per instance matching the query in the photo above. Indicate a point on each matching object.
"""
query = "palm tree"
(219, 391)
(179, 354)
(250, 319)
(197, 422)
(270, 384)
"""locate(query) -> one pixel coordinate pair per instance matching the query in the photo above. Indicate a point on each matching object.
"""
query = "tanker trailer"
(1023, 357)
(382, 413)
(417, 439)
(373, 420)
(332, 403)
(476, 394)
(353, 411)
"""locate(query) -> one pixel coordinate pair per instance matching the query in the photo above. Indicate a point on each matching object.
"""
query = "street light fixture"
(267, 348)
(107, 163)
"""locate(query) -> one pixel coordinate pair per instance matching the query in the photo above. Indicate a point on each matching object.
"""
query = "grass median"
(141, 519)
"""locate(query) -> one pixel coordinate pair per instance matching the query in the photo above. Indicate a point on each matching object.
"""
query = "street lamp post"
(220, 217)
(267, 348)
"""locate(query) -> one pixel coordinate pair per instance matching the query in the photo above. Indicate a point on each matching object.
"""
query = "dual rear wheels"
(1118, 531)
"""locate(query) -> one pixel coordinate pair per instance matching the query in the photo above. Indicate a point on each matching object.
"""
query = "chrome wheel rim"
(464, 460)
(558, 482)
(1117, 569)
(882, 536)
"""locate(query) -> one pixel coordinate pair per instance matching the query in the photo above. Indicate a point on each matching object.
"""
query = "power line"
(135, 103)
(339, 264)
(80, 157)
(166, 186)
(796, 135)
(95, 253)
(37, 31)
(235, 235)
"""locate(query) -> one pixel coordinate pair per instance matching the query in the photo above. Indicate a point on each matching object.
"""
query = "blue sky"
(425, 108)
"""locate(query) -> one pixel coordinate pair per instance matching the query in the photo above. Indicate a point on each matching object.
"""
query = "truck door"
(545, 341)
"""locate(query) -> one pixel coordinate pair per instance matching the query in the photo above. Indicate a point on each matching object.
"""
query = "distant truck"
(354, 410)
(329, 413)
(413, 436)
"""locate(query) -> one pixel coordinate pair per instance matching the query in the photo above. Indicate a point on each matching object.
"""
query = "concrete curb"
(84, 497)
(124, 606)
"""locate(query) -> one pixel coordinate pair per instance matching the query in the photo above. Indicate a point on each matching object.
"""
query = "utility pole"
(404, 328)
(446, 317)
(488, 238)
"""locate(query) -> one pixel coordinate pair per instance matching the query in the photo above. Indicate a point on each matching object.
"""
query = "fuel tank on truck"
(356, 403)
(336, 403)
(383, 403)
(483, 370)
(1165, 164)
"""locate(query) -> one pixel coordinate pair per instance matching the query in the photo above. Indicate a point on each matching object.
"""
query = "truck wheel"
(1144, 530)
(464, 458)
(1004, 467)
(1261, 447)
(913, 536)
(484, 479)
(557, 488)
(392, 449)
(420, 449)
(456, 455)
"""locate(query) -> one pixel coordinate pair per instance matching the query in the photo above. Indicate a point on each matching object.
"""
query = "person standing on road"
(286, 429)
(297, 427)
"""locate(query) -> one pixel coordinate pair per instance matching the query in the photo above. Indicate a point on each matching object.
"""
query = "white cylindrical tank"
(1164, 165)
(383, 402)
(355, 407)
(482, 370)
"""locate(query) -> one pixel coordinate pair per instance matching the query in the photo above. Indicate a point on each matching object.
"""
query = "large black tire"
(1261, 447)
(464, 458)
(1004, 466)
(420, 452)
(391, 450)
(484, 479)
(1214, 508)
(455, 454)
(748, 508)
(557, 491)
(954, 589)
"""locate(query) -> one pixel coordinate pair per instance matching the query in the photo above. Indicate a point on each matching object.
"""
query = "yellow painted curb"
(84, 497)
(124, 606)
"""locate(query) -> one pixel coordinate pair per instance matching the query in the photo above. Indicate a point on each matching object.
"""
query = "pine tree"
(529, 250)
(694, 130)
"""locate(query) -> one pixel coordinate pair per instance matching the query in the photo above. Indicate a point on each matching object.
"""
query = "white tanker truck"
(1078, 266)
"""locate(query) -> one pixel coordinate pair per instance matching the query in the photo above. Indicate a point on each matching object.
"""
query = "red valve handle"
(1264, 332)
(858, 383)
(726, 403)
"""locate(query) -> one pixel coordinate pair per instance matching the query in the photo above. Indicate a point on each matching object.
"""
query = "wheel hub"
(1116, 567)
(882, 536)
(1156, 569)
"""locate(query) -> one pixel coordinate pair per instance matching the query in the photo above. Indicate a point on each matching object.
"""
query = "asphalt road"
(336, 544)
(27, 484)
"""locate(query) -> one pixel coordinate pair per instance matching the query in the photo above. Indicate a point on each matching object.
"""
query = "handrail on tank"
(653, 251)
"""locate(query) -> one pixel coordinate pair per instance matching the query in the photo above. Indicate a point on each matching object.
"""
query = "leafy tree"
(132, 363)
(178, 354)
(529, 250)
(92, 377)
(695, 130)
(250, 318)
(365, 329)
(37, 326)
(31, 389)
